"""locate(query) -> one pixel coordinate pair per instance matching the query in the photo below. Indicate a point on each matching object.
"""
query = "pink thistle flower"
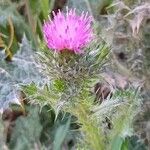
(68, 32)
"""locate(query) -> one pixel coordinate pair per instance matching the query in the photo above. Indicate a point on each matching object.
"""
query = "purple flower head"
(68, 32)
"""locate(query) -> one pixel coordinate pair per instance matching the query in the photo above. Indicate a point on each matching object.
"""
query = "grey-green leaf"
(22, 70)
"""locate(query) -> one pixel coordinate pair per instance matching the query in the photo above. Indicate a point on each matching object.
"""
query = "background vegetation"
(106, 107)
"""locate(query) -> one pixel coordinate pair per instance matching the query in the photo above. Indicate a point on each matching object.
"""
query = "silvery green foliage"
(69, 80)
(69, 77)
(22, 70)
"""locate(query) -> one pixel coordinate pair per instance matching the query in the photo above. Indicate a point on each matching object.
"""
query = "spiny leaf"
(22, 70)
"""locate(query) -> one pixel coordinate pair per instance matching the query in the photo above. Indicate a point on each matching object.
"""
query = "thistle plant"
(72, 64)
